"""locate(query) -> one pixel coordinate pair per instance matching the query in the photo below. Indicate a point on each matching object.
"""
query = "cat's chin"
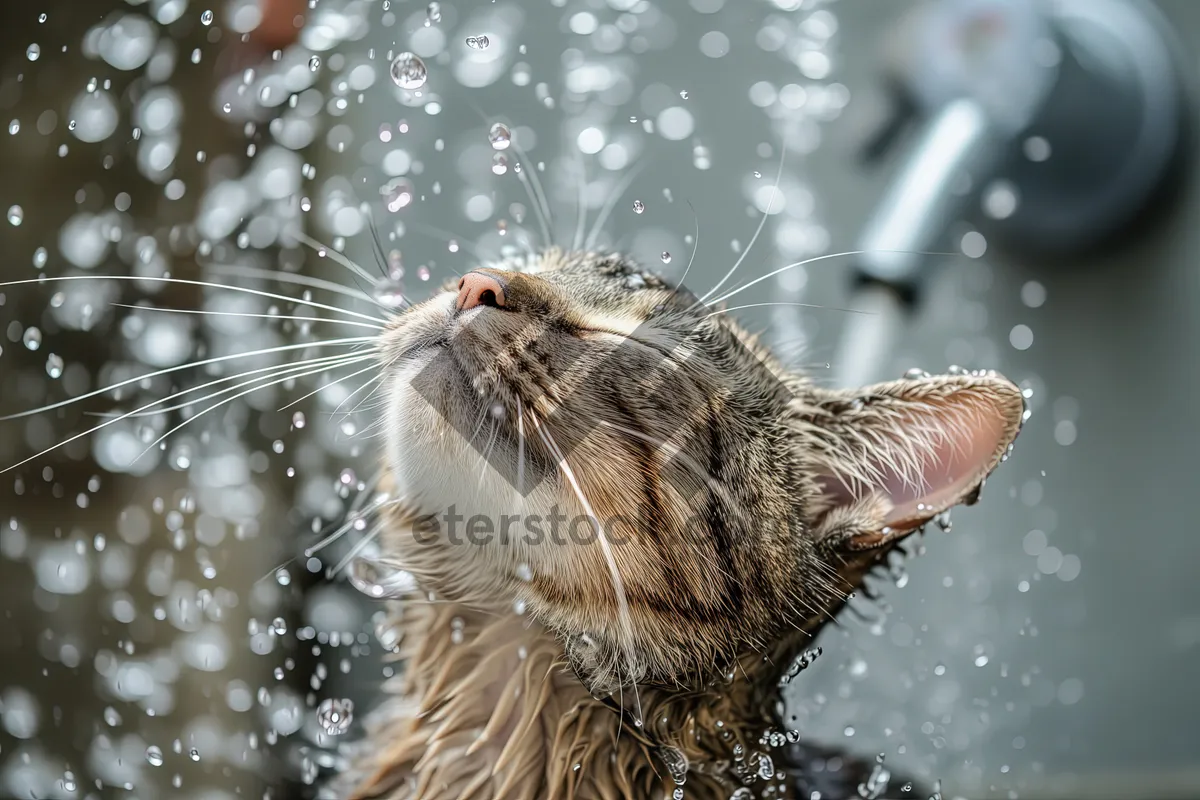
(435, 472)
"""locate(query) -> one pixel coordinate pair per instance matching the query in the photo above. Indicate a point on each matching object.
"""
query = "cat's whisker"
(352, 360)
(782, 303)
(246, 271)
(105, 424)
(581, 215)
(762, 223)
(358, 547)
(533, 188)
(541, 212)
(190, 365)
(483, 414)
(615, 197)
(695, 246)
(322, 388)
(298, 366)
(520, 446)
(487, 453)
(211, 313)
(355, 515)
(275, 569)
(813, 260)
(614, 573)
(377, 380)
(338, 533)
(189, 282)
(360, 498)
(338, 258)
(377, 243)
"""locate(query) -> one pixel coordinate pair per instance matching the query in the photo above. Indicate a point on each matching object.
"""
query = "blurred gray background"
(1045, 647)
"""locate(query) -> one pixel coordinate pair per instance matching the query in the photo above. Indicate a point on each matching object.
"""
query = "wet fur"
(758, 501)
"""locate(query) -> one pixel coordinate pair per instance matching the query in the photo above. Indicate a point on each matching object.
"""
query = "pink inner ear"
(955, 466)
(952, 465)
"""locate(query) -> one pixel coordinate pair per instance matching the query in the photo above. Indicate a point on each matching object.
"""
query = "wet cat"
(625, 521)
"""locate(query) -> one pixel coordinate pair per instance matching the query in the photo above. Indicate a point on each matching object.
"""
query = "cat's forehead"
(585, 272)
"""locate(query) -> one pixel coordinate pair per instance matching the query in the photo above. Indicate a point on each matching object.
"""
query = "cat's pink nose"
(479, 289)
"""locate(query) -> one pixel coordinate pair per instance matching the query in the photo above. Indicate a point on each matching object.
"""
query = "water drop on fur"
(379, 580)
(335, 716)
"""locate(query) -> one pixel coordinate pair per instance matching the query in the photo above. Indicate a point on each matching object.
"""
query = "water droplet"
(32, 338)
(379, 580)
(408, 71)
(877, 782)
(33, 51)
(54, 365)
(500, 136)
(1021, 337)
(154, 755)
(1033, 294)
(499, 164)
(1000, 199)
(683, 93)
(335, 716)
(1037, 148)
(801, 663)
(397, 193)
(389, 294)
(16, 215)
(638, 206)
(434, 13)
(766, 767)
(194, 754)
(298, 420)
(314, 63)
(677, 764)
(206, 18)
(478, 42)
(14, 127)
(666, 257)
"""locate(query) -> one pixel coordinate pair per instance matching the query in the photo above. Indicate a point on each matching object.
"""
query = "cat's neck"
(486, 704)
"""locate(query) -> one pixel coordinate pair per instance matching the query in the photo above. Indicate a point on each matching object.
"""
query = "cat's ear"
(890, 457)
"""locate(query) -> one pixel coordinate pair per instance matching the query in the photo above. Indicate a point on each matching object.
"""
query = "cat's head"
(587, 445)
